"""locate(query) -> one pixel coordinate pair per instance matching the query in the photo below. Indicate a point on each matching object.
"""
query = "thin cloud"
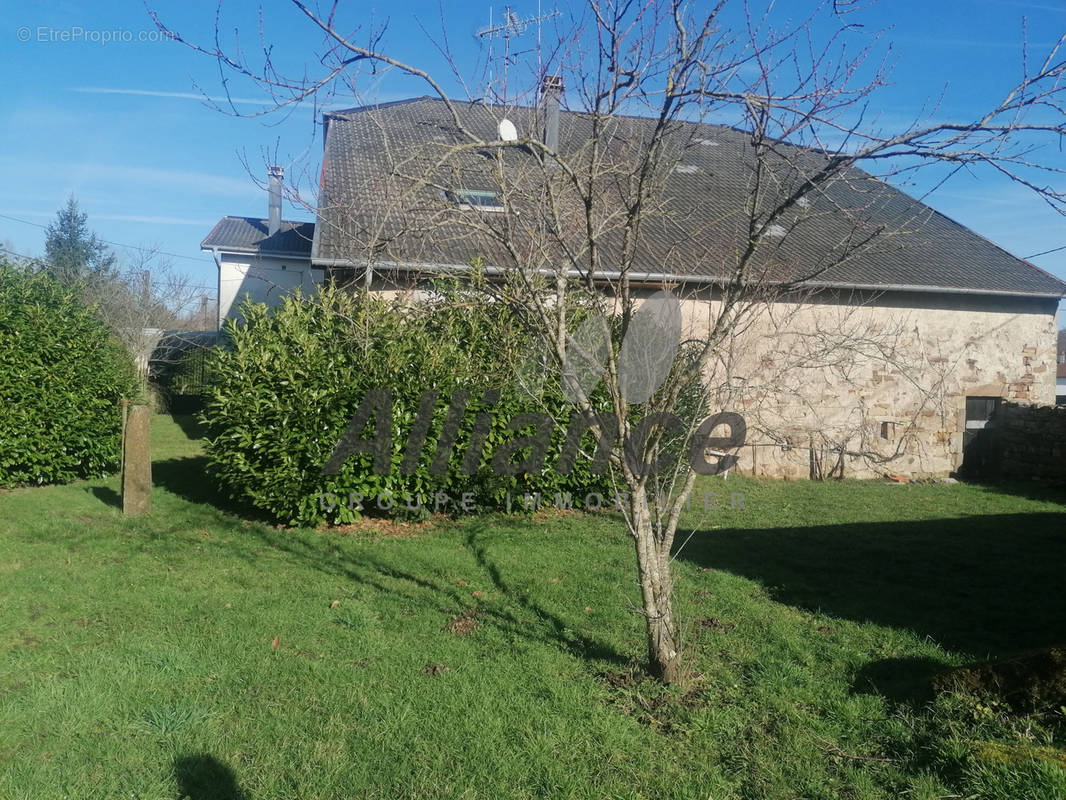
(21, 212)
(198, 183)
(155, 220)
(172, 95)
(80, 177)
(18, 213)
(264, 102)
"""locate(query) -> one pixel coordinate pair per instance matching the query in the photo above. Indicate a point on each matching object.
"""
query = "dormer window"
(475, 199)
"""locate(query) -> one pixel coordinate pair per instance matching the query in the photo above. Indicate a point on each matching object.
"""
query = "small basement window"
(470, 199)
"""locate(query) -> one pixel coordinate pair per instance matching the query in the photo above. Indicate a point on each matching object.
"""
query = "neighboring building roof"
(924, 251)
(249, 235)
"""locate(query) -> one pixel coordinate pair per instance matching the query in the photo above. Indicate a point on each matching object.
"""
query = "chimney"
(274, 218)
(550, 96)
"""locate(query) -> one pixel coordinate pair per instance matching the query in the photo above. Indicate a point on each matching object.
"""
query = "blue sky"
(122, 126)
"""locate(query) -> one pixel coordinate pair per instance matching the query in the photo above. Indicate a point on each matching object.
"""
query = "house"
(261, 259)
(943, 324)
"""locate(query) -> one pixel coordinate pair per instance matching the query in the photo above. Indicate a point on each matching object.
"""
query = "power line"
(1046, 252)
(200, 260)
(44, 263)
(23, 257)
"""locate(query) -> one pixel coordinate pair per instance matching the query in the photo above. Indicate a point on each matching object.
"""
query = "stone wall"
(875, 384)
(1029, 442)
(869, 384)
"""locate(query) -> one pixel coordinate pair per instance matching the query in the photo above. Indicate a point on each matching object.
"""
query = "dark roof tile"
(923, 248)
(249, 235)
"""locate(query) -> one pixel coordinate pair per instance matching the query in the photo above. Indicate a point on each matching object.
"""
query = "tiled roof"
(916, 247)
(249, 235)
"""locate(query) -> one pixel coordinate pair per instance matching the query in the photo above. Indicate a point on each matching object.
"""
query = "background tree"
(139, 297)
(575, 220)
(143, 299)
(73, 252)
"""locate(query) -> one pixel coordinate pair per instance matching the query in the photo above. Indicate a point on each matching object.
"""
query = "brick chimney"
(276, 174)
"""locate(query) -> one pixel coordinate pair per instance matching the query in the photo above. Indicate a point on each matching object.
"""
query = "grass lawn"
(198, 654)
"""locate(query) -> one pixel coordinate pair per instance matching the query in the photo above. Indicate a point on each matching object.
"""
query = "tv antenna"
(512, 25)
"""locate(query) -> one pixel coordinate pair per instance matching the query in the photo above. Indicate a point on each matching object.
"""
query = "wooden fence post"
(136, 463)
(125, 404)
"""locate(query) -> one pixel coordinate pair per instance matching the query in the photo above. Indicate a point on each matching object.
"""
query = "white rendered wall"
(262, 279)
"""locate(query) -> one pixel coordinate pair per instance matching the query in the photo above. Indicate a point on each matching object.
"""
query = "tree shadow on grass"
(106, 495)
(982, 585)
(563, 632)
(188, 478)
(203, 777)
(330, 558)
(190, 425)
(905, 680)
(1030, 490)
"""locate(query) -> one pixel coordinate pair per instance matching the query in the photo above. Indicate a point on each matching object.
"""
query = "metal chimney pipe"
(276, 174)
(551, 95)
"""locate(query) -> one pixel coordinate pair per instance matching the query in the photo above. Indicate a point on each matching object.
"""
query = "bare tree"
(144, 298)
(575, 222)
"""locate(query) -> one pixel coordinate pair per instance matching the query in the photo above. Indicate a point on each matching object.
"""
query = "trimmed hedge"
(291, 379)
(62, 375)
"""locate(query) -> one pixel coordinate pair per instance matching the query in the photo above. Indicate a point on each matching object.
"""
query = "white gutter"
(218, 290)
(255, 251)
(663, 277)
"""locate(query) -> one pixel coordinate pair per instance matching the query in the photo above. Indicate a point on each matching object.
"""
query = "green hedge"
(62, 375)
(291, 379)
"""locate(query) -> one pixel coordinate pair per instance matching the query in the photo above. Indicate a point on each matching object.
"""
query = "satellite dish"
(508, 133)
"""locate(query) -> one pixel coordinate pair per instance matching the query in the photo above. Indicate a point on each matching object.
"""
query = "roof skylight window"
(475, 199)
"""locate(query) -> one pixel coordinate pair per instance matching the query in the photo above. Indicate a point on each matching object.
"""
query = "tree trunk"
(656, 587)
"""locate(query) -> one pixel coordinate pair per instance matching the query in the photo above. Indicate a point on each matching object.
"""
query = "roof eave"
(252, 251)
(706, 280)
